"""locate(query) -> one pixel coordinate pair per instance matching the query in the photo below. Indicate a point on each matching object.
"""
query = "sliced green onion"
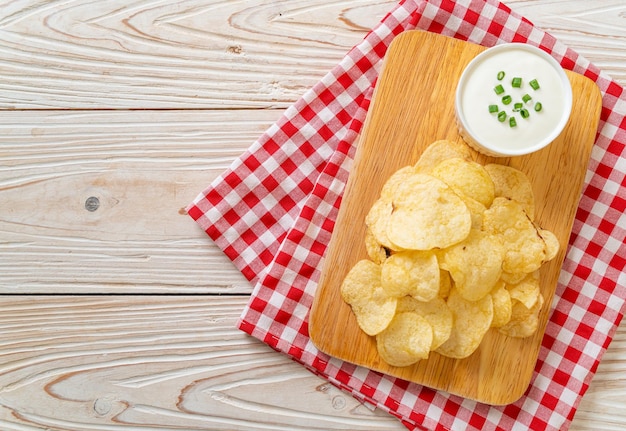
(507, 99)
(512, 122)
(499, 89)
(493, 109)
(516, 82)
(501, 116)
(526, 98)
(517, 106)
(524, 113)
(501, 75)
(538, 106)
(534, 84)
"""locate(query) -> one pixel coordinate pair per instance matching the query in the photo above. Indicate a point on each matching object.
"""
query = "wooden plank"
(144, 167)
(86, 363)
(401, 126)
(593, 29)
(222, 54)
(164, 55)
(159, 363)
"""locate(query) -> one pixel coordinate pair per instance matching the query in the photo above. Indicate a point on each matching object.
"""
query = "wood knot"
(102, 406)
(92, 203)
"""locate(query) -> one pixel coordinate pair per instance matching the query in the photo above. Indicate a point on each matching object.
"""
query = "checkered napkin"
(272, 212)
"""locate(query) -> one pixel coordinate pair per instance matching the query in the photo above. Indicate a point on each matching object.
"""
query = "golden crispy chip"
(513, 278)
(475, 264)
(375, 250)
(466, 178)
(436, 313)
(512, 183)
(471, 321)
(445, 284)
(406, 340)
(524, 322)
(414, 273)
(395, 180)
(454, 251)
(427, 214)
(476, 210)
(552, 244)
(439, 151)
(371, 305)
(377, 220)
(526, 291)
(502, 305)
(524, 248)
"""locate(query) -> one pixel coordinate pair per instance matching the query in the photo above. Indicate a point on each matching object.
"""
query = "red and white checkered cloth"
(272, 212)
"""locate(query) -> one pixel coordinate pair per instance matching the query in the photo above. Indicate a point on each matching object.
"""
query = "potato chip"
(475, 264)
(395, 180)
(406, 340)
(427, 214)
(439, 151)
(512, 183)
(524, 248)
(552, 244)
(414, 273)
(445, 283)
(371, 305)
(476, 210)
(471, 321)
(466, 178)
(524, 322)
(526, 291)
(513, 278)
(436, 313)
(453, 251)
(377, 220)
(375, 250)
(502, 305)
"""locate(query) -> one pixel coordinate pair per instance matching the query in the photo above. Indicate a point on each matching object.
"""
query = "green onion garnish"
(518, 106)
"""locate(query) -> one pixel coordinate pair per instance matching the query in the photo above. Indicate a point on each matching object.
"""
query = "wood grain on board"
(413, 106)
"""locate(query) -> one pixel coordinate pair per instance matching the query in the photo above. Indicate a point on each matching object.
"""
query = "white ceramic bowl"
(529, 131)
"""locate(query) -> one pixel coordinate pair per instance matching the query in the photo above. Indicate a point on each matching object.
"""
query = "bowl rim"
(494, 50)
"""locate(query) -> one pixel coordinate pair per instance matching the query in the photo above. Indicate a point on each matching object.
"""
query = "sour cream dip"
(512, 99)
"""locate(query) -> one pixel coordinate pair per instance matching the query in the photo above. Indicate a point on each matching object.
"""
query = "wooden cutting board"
(413, 106)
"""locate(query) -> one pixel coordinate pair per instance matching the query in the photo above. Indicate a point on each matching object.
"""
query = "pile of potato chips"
(453, 251)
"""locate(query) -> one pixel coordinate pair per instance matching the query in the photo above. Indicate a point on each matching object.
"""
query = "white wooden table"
(117, 311)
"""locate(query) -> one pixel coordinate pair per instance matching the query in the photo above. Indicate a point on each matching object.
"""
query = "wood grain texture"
(181, 58)
(158, 363)
(596, 30)
(222, 54)
(164, 55)
(131, 363)
(144, 167)
(401, 126)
